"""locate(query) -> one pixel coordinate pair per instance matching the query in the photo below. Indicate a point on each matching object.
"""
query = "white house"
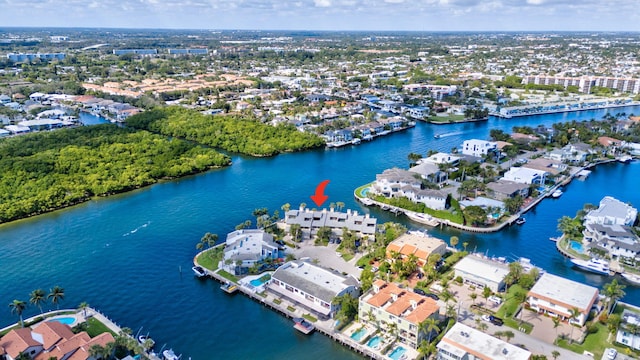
(482, 272)
(556, 296)
(625, 335)
(465, 342)
(612, 211)
(525, 175)
(312, 286)
(246, 247)
(479, 148)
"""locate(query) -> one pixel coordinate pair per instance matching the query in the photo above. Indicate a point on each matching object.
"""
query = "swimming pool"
(576, 246)
(358, 335)
(397, 353)
(64, 320)
(374, 342)
(261, 281)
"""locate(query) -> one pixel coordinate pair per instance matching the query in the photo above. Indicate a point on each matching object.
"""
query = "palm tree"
(83, 307)
(454, 241)
(464, 246)
(428, 327)
(556, 324)
(473, 297)
(509, 335)
(37, 298)
(97, 351)
(574, 313)
(555, 354)
(56, 295)
(339, 205)
(614, 292)
(286, 207)
(18, 306)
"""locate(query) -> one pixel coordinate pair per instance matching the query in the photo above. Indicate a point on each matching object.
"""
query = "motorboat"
(556, 194)
(520, 221)
(597, 266)
(170, 355)
(632, 278)
(146, 341)
(625, 159)
(229, 287)
(303, 325)
(199, 271)
(437, 136)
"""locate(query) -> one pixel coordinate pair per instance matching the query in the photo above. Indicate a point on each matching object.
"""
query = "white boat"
(594, 265)
(632, 278)
(170, 355)
(625, 158)
(520, 221)
(356, 141)
(199, 271)
(421, 218)
(146, 341)
(556, 194)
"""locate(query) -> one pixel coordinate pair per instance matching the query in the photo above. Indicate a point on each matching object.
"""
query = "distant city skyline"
(376, 15)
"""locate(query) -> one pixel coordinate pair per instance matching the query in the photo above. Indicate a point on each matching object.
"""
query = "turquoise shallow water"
(130, 255)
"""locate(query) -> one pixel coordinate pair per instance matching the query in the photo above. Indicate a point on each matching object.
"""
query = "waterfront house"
(245, 248)
(553, 167)
(51, 339)
(20, 341)
(627, 333)
(312, 220)
(4, 99)
(479, 148)
(442, 158)
(556, 296)
(465, 342)
(612, 211)
(482, 272)
(504, 189)
(391, 182)
(430, 172)
(312, 287)
(525, 175)
(433, 199)
(386, 303)
(417, 244)
(619, 241)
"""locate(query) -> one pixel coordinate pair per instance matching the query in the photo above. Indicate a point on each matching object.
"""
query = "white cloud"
(322, 3)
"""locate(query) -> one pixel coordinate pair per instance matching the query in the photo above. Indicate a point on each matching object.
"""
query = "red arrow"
(319, 197)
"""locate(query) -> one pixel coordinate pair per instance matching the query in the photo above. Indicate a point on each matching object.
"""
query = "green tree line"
(231, 132)
(44, 171)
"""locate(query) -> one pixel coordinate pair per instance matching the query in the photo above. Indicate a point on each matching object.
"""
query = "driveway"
(327, 257)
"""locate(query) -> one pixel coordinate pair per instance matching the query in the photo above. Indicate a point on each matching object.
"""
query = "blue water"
(576, 246)
(89, 119)
(64, 320)
(358, 335)
(259, 282)
(130, 255)
(397, 353)
(374, 341)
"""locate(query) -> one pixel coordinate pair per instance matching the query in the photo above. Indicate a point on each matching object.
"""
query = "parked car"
(495, 299)
(612, 353)
(433, 296)
(419, 291)
(496, 320)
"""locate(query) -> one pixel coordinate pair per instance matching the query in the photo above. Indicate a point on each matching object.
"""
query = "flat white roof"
(39, 122)
(483, 268)
(462, 339)
(312, 279)
(569, 292)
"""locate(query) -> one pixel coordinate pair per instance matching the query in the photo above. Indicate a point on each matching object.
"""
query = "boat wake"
(453, 133)
(138, 228)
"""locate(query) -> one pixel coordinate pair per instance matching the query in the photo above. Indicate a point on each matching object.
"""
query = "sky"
(395, 15)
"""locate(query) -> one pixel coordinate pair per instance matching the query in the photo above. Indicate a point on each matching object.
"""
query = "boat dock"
(294, 310)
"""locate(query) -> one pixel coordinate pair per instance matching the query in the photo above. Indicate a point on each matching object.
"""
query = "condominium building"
(386, 303)
(586, 83)
(312, 220)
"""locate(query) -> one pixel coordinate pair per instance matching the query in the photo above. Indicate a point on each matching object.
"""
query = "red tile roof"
(17, 341)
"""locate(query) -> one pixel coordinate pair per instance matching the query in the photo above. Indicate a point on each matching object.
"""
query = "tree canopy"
(231, 132)
(48, 170)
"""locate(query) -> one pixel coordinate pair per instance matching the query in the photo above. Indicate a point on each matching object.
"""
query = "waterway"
(130, 255)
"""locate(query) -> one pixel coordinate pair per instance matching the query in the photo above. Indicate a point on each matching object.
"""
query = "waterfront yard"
(209, 259)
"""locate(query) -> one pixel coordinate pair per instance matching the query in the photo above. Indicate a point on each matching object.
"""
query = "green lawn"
(228, 276)
(509, 308)
(594, 343)
(310, 318)
(209, 259)
(446, 119)
(95, 327)
(359, 190)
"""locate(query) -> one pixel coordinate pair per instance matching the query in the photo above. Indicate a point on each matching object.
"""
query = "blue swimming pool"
(397, 353)
(374, 342)
(576, 246)
(358, 335)
(261, 281)
(64, 320)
